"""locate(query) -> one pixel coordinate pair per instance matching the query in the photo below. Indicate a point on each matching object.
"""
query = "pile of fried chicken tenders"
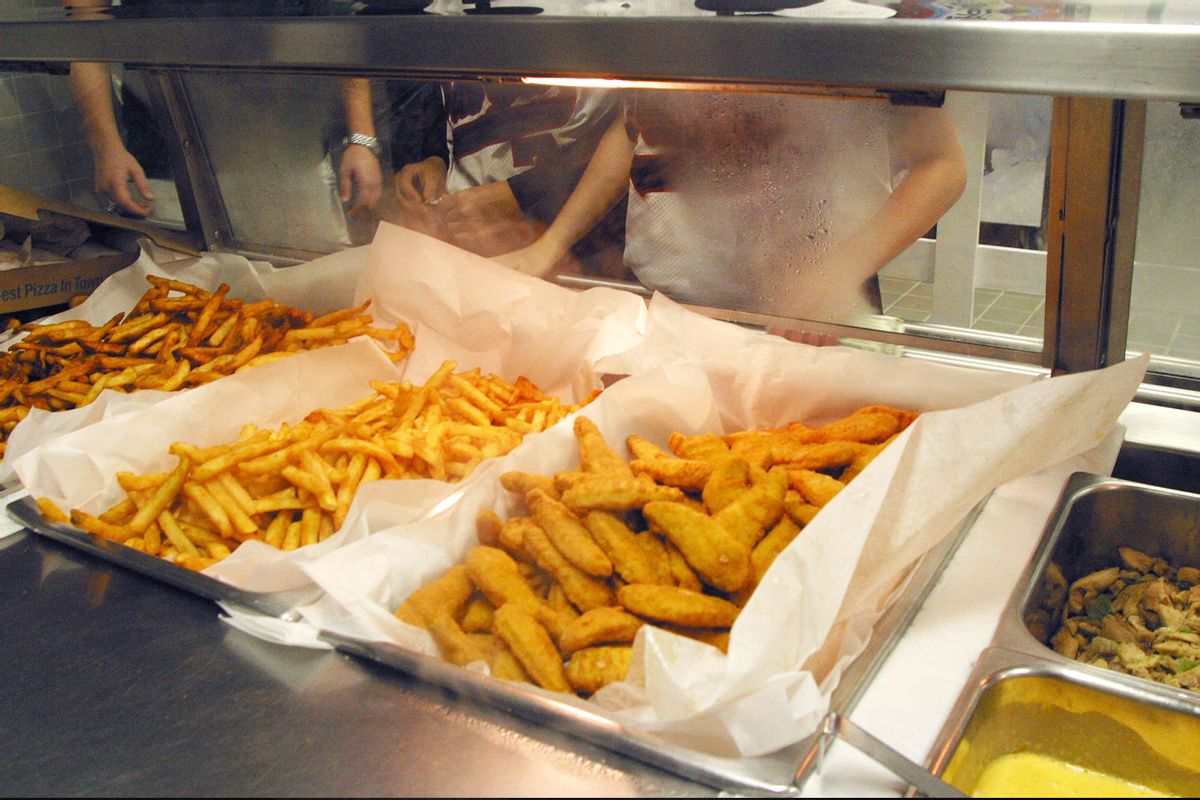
(677, 539)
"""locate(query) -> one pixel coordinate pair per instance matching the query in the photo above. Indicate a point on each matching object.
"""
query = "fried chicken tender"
(702, 446)
(680, 573)
(660, 560)
(599, 626)
(447, 594)
(455, 645)
(685, 473)
(616, 493)
(568, 534)
(641, 447)
(594, 668)
(790, 450)
(584, 591)
(594, 453)
(870, 425)
(530, 642)
(771, 546)
(677, 606)
(506, 667)
(495, 573)
(717, 557)
(749, 516)
(729, 479)
(629, 557)
(523, 483)
(815, 487)
(795, 507)
(477, 616)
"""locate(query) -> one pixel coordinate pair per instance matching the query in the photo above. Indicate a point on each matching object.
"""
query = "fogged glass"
(1164, 318)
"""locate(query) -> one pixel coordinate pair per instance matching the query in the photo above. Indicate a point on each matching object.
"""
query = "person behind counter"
(769, 203)
(117, 170)
(509, 158)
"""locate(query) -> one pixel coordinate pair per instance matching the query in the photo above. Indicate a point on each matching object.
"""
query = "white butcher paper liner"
(814, 609)
(553, 340)
(494, 318)
(319, 286)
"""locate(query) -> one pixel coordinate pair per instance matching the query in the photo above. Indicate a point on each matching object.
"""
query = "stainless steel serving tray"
(275, 604)
(1020, 703)
(782, 772)
(1094, 515)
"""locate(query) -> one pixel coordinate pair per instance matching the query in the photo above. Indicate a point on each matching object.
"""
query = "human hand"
(421, 183)
(538, 259)
(360, 178)
(116, 168)
(487, 220)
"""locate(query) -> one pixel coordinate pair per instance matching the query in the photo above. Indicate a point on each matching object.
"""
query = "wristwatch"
(369, 142)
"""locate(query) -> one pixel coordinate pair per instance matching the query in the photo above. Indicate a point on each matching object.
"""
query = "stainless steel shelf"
(1143, 60)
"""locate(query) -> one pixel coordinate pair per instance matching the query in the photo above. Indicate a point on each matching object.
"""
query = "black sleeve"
(416, 117)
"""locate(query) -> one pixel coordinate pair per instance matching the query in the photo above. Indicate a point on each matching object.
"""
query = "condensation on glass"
(816, 208)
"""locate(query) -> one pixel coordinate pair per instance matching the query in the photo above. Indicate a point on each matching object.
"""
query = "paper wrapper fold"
(814, 609)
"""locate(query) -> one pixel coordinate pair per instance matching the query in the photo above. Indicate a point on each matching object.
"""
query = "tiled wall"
(42, 145)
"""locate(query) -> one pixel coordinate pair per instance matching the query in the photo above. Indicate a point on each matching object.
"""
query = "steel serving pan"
(275, 604)
(782, 772)
(1093, 516)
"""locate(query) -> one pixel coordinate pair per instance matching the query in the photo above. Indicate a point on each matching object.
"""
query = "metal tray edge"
(275, 604)
(722, 773)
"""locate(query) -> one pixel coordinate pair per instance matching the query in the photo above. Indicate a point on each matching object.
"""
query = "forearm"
(604, 182)
(916, 205)
(356, 97)
(92, 89)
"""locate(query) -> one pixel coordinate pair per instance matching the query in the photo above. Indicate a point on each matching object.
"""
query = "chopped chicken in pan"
(1142, 618)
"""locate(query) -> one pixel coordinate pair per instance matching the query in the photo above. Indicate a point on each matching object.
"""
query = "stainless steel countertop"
(113, 684)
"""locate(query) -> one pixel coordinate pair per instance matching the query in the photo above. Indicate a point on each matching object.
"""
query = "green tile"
(1007, 315)
(1189, 325)
(1019, 302)
(996, 326)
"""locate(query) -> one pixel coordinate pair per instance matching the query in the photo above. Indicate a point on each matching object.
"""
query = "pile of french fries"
(176, 336)
(675, 539)
(292, 486)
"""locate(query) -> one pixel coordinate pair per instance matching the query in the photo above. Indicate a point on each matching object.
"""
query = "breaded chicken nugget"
(629, 557)
(568, 534)
(686, 473)
(729, 479)
(496, 575)
(599, 626)
(613, 493)
(584, 591)
(703, 446)
(717, 557)
(531, 644)
(591, 669)
(594, 453)
(815, 487)
(677, 606)
(523, 482)
(758, 508)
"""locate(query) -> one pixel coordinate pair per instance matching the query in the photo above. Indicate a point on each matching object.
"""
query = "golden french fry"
(50, 510)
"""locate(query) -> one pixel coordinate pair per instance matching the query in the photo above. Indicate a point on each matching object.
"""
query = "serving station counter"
(117, 684)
